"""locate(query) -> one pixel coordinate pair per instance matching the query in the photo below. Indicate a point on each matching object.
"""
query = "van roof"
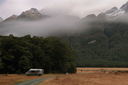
(35, 69)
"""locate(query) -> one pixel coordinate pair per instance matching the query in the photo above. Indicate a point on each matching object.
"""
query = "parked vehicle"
(37, 72)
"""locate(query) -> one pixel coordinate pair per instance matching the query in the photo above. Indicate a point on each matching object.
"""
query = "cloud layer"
(58, 8)
(45, 27)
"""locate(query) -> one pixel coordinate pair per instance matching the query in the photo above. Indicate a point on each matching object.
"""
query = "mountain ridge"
(98, 41)
(34, 14)
(31, 14)
(115, 13)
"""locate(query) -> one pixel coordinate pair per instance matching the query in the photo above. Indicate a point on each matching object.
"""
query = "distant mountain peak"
(101, 16)
(115, 13)
(91, 16)
(13, 17)
(33, 10)
(33, 13)
(114, 9)
(125, 7)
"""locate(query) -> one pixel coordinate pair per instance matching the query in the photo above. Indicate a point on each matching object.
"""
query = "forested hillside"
(18, 54)
(103, 44)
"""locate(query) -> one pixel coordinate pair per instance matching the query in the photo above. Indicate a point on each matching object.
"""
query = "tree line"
(18, 54)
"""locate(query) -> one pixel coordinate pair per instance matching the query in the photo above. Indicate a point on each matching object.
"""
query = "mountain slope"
(32, 14)
(1, 19)
(114, 12)
(100, 41)
(13, 17)
(101, 48)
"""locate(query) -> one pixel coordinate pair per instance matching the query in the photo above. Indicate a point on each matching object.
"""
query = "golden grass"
(88, 76)
(93, 78)
(12, 79)
(90, 70)
(102, 68)
(89, 79)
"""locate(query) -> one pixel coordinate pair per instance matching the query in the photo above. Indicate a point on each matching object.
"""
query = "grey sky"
(79, 8)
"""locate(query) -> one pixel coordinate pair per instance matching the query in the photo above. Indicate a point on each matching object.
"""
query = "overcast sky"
(79, 8)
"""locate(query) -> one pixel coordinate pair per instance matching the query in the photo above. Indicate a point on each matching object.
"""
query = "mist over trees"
(18, 54)
(97, 41)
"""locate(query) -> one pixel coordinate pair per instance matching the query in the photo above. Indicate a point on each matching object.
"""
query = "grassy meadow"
(12, 79)
(89, 79)
(91, 76)
(84, 76)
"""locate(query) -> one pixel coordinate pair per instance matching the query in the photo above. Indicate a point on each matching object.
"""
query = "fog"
(59, 22)
(54, 25)
(46, 27)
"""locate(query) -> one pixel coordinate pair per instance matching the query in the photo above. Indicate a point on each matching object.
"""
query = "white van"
(37, 72)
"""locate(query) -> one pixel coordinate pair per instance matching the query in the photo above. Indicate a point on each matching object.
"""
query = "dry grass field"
(78, 69)
(84, 76)
(89, 79)
(12, 79)
(92, 70)
(91, 76)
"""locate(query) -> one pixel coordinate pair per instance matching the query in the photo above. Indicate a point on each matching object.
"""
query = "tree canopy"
(18, 54)
(101, 45)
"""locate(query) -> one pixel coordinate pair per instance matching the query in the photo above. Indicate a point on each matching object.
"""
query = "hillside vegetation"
(18, 54)
(102, 44)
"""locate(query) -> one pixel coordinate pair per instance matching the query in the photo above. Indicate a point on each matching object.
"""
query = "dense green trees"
(100, 44)
(18, 54)
(104, 45)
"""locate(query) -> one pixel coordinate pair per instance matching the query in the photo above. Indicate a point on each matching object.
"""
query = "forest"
(96, 43)
(103, 44)
(18, 54)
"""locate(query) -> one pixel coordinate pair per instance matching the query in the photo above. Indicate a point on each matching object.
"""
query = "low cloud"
(60, 11)
(46, 27)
